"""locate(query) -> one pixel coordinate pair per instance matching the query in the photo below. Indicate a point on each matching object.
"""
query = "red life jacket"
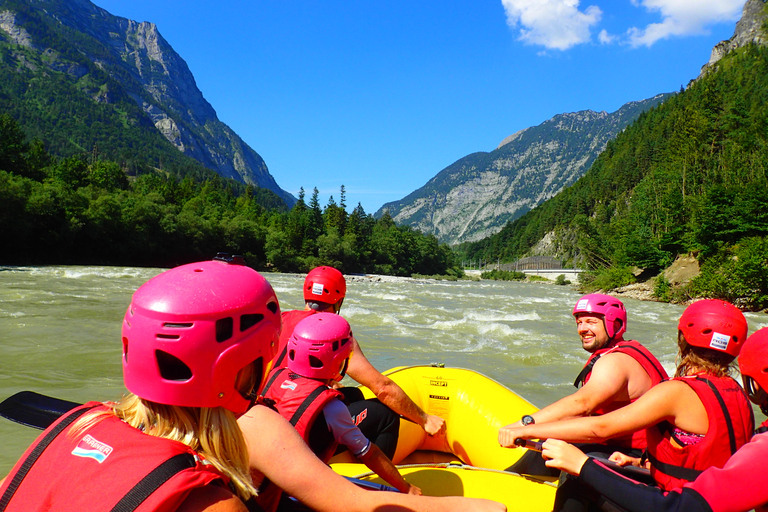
(290, 319)
(109, 464)
(651, 366)
(300, 400)
(731, 424)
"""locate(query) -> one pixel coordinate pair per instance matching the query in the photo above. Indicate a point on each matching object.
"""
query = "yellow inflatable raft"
(467, 460)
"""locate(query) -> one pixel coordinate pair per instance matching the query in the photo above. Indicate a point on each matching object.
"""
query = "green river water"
(60, 332)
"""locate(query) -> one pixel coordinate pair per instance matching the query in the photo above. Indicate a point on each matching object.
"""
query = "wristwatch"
(527, 420)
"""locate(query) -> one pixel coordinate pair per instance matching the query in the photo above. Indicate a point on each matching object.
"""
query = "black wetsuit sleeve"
(637, 497)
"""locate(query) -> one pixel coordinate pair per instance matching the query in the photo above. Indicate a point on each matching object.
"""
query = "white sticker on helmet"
(582, 304)
(719, 341)
(317, 289)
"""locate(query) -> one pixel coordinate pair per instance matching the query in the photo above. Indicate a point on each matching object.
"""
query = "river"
(60, 331)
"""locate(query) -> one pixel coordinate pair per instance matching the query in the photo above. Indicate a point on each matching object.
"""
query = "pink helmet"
(609, 307)
(753, 365)
(714, 324)
(319, 346)
(190, 330)
(325, 284)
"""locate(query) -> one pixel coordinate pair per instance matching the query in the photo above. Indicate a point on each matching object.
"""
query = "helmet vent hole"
(171, 325)
(125, 349)
(706, 331)
(272, 306)
(292, 355)
(168, 336)
(248, 321)
(314, 362)
(171, 367)
(224, 329)
(344, 341)
(335, 345)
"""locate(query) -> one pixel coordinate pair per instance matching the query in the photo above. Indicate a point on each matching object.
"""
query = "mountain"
(477, 195)
(749, 29)
(110, 62)
(688, 178)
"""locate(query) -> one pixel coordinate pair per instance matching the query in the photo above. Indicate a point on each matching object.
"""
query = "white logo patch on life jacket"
(719, 341)
(91, 448)
(288, 384)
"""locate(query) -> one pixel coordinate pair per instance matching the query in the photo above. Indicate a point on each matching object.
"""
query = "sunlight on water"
(60, 329)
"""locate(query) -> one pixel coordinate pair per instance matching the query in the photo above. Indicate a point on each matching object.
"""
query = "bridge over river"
(544, 266)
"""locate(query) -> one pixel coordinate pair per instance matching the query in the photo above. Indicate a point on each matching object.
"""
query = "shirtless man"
(617, 373)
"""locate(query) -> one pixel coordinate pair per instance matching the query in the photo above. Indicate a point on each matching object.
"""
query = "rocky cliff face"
(477, 195)
(749, 29)
(156, 77)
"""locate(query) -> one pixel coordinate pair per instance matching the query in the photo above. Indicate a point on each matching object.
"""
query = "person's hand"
(623, 459)
(564, 456)
(434, 425)
(412, 489)
(508, 434)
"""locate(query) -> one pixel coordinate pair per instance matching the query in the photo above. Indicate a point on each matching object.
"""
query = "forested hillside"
(82, 79)
(85, 209)
(690, 176)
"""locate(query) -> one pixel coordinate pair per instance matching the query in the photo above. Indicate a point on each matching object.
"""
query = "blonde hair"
(692, 360)
(211, 432)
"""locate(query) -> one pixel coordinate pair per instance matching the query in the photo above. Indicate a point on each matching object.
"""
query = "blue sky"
(380, 96)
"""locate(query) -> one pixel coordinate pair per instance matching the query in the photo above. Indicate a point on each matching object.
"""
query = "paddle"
(33, 409)
(40, 411)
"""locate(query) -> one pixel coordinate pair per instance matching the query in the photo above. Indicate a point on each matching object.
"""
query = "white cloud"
(682, 18)
(605, 38)
(554, 24)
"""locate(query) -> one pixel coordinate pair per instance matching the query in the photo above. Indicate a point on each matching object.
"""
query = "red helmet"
(190, 330)
(319, 346)
(753, 365)
(325, 284)
(609, 307)
(714, 324)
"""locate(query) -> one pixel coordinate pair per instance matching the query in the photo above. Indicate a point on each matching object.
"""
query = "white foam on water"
(385, 296)
(498, 316)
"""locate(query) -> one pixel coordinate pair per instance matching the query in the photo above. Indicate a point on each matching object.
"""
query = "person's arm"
(389, 393)
(346, 433)
(277, 451)
(212, 498)
(608, 382)
(380, 464)
(668, 400)
(736, 487)
(626, 493)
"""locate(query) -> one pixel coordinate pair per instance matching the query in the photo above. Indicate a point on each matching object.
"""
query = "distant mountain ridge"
(147, 70)
(477, 195)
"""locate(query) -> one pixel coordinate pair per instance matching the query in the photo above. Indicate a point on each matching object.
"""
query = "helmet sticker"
(582, 304)
(317, 288)
(719, 341)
